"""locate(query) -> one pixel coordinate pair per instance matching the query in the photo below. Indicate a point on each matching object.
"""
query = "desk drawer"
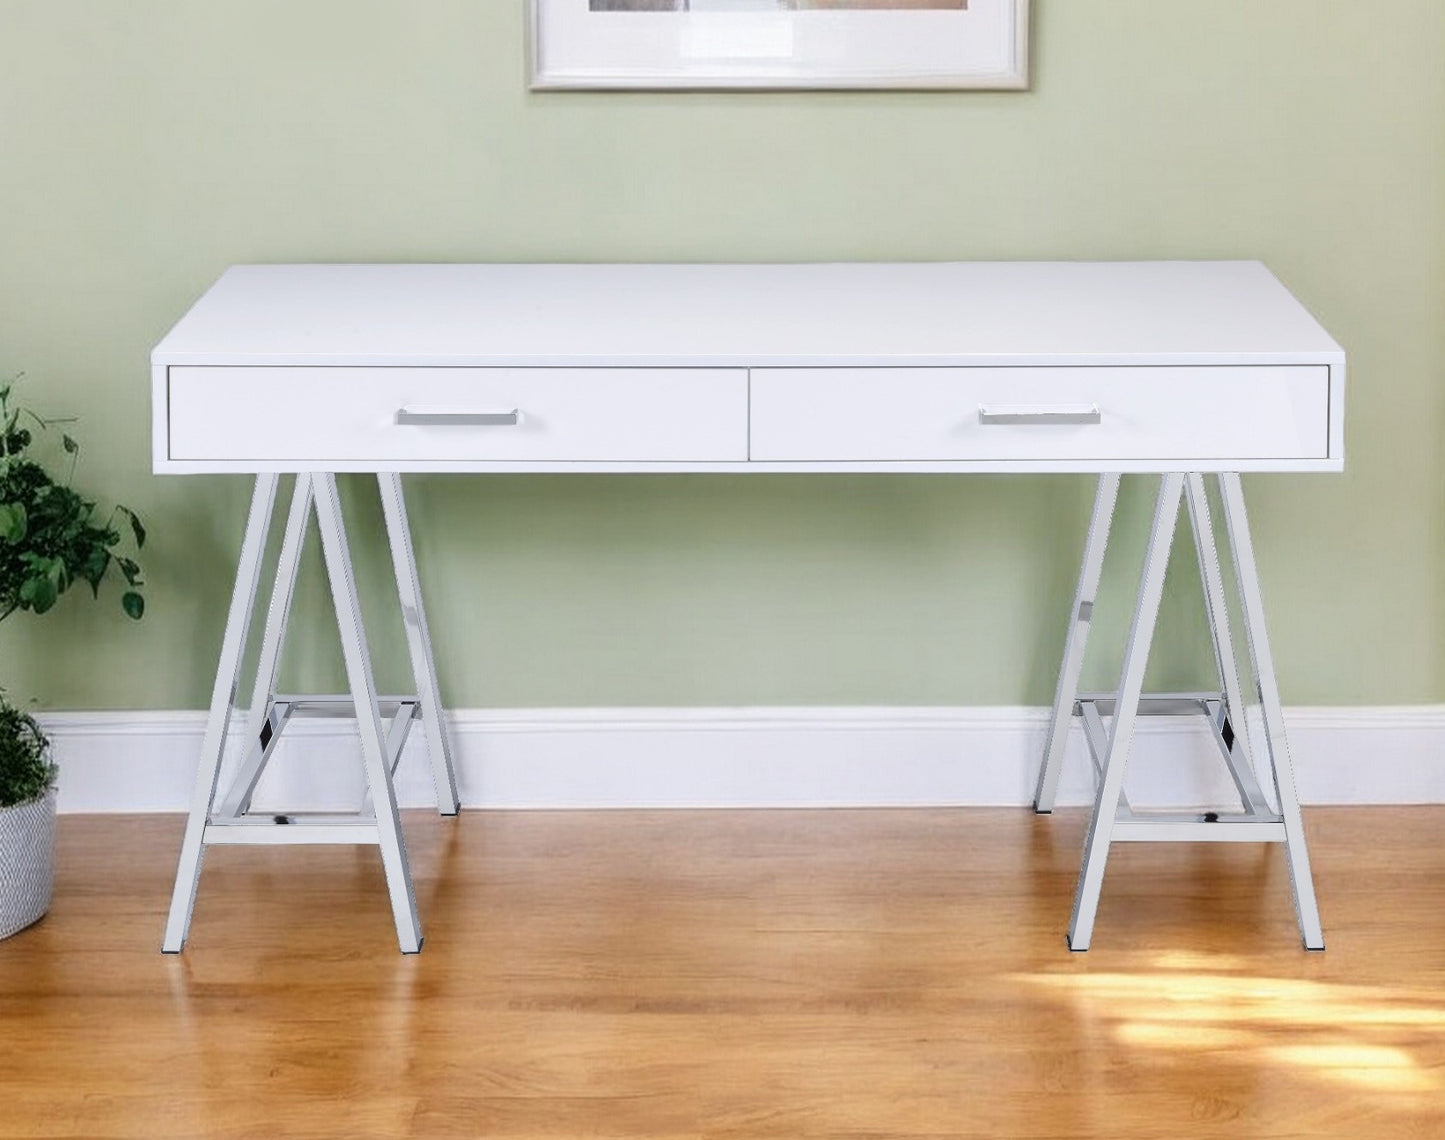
(470, 414)
(1040, 414)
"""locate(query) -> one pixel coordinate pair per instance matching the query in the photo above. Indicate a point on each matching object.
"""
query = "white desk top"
(943, 367)
(978, 313)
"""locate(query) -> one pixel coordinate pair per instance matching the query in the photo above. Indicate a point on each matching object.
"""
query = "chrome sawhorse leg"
(1081, 617)
(229, 820)
(1113, 818)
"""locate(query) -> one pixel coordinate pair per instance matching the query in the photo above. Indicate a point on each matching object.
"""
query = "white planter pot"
(27, 862)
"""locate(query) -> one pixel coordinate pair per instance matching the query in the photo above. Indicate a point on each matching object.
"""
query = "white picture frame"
(779, 44)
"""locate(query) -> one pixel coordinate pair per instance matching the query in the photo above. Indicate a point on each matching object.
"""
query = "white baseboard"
(757, 757)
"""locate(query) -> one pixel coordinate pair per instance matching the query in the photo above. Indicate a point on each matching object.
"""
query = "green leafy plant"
(51, 536)
(25, 768)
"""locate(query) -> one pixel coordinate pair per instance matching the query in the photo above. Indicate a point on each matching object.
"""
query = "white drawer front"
(458, 414)
(1039, 414)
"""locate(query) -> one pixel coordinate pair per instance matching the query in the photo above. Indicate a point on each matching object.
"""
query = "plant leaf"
(133, 604)
(41, 591)
(136, 528)
(70, 445)
(12, 521)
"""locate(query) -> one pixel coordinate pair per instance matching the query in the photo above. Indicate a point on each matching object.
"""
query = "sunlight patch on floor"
(1368, 1066)
(1353, 1035)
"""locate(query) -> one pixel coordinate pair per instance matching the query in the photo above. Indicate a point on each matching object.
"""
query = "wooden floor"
(771, 974)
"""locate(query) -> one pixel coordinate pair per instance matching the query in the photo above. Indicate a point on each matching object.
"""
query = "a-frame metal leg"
(1242, 750)
(1105, 499)
(363, 689)
(1131, 688)
(1233, 727)
(1252, 603)
(228, 819)
(208, 771)
(258, 739)
(418, 640)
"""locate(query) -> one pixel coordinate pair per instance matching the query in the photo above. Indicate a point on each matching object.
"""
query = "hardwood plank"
(734, 974)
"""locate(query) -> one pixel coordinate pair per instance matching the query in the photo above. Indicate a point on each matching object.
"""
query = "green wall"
(147, 144)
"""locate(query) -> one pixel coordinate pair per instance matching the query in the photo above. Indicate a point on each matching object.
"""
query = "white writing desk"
(1175, 368)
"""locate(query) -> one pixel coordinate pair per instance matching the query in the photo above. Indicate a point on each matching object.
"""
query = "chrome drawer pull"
(457, 417)
(1039, 414)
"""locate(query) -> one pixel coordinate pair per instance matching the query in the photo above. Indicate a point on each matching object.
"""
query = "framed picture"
(773, 44)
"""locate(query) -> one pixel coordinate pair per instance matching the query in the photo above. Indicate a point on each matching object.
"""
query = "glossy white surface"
(563, 414)
(306, 321)
(1177, 414)
(749, 315)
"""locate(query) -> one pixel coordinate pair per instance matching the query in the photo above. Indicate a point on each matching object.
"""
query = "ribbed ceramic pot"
(27, 862)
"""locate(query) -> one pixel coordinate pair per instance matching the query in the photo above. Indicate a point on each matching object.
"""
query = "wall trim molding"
(748, 757)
